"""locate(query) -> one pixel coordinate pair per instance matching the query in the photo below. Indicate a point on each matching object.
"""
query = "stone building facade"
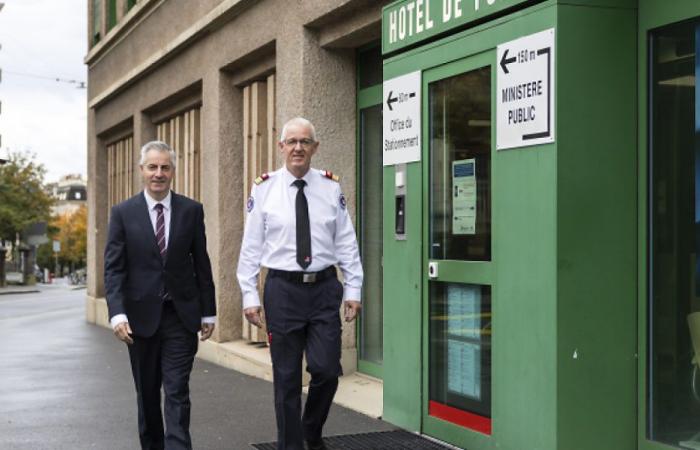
(216, 79)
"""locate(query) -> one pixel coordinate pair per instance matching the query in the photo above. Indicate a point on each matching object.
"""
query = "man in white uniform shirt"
(299, 228)
(160, 293)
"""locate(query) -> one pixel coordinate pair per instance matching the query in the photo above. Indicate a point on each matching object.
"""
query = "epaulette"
(262, 178)
(328, 174)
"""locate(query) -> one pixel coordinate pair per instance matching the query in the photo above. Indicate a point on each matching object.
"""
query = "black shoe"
(316, 445)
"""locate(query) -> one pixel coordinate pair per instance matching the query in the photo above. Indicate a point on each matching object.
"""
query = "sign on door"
(525, 91)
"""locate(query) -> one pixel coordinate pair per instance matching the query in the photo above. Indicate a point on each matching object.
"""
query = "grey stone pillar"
(222, 181)
(144, 131)
(97, 217)
(313, 83)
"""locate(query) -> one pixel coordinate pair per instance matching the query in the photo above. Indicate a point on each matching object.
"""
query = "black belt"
(303, 277)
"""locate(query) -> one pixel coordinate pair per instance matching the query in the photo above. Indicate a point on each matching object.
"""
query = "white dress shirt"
(153, 214)
(269, 238)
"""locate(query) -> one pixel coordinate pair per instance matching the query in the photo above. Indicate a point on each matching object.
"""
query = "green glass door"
(673, 391)
(369, 118)
(669, 310)
(458, 146)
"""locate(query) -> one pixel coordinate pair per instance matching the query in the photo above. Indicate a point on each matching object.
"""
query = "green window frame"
(369, 98)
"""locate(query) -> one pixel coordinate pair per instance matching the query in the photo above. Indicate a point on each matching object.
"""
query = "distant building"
(70, 193)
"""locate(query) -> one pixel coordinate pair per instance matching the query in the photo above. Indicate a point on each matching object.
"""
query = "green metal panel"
(652, 14)
(596, 219)
(459, 271)
(524, 292)
(407, 22)
(524, 249)
(563, 273)
(369, 97)
(402, 305)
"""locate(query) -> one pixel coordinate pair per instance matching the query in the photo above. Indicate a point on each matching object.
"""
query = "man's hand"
(123, 332)
(352, 308)
(252, 314)
(206, 331)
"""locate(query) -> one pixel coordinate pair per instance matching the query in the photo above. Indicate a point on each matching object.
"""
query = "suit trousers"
(164, 359)
(303, 318)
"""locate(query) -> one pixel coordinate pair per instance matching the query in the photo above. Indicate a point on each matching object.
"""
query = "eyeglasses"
(305, 143)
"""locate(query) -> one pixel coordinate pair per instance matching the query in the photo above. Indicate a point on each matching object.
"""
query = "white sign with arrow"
(525, 91)
(402, 119)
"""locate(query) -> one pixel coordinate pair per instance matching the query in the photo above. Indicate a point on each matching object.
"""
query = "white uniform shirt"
(269, 239)
(153, 214)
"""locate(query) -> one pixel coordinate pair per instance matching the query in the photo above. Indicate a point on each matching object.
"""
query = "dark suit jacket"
(135, 271)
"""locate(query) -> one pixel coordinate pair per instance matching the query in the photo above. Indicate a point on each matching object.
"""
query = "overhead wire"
(79, 84)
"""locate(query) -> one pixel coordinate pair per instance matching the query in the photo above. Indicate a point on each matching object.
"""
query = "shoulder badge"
(250, 204)
(262, 178)
(328, 174)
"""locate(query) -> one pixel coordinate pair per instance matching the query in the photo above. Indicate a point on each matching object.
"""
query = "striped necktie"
(160, 230)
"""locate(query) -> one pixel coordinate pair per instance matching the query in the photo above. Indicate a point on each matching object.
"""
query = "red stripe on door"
(459, 417)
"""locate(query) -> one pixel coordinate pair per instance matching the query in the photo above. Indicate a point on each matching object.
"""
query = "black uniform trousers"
(164, 359)
(303, 318)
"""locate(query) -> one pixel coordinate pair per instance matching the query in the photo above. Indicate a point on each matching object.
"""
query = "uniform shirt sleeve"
(347, 251)
(251, 252)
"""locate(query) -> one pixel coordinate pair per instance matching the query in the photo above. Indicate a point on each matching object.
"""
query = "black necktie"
(303, 230)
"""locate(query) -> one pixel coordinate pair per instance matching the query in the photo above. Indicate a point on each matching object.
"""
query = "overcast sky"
(44, 38)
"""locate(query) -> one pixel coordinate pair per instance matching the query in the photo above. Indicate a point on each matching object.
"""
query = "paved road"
(65, 384)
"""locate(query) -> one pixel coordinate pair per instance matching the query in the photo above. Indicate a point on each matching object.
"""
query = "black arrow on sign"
(505, 61)
(390, 100)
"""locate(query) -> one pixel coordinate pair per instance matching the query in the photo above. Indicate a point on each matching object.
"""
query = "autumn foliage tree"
(22, 197)
(72, 233)
(70, 230)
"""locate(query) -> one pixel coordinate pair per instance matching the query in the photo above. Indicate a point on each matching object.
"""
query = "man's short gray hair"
(158, 146)
(298, 121)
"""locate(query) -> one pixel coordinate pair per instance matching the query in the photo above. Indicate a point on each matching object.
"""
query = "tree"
(22, 197)
(71, 230)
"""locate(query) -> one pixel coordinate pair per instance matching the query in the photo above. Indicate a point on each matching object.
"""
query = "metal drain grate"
(382, 440)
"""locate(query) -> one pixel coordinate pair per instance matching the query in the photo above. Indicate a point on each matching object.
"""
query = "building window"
(182, 133)
(121, 164)
(111, 14)
(259, 150)
(96, 21)
(673, 381)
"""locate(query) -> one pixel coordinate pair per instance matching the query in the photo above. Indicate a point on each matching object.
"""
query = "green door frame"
(471, 272)
(652, 14)
(367, 97)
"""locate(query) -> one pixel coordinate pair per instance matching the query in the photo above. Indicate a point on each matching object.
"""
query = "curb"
(34, 291)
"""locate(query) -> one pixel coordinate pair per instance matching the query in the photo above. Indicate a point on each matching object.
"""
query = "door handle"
(433, 269)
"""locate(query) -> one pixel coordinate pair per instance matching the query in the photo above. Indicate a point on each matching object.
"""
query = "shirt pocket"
(279, 220)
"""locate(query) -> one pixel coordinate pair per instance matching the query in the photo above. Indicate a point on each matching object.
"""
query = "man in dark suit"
(160, 293)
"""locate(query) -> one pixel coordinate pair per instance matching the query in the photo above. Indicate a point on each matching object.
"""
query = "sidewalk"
(66, 384)
(18, 289)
